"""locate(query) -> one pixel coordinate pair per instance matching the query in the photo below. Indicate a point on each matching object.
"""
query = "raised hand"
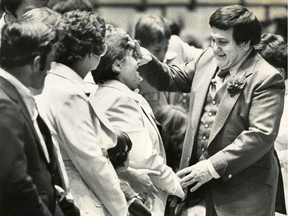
(142, 55)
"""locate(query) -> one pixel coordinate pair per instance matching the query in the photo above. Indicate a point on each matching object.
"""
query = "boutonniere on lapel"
(235, 84)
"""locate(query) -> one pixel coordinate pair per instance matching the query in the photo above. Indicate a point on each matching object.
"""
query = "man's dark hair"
(10, 6)
(151, 29)
(70, 5)
(21, 42)
(244, 23)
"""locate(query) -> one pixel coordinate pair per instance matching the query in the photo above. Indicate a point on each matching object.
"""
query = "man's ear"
(246, 45)
(36, 65)
(116, 66)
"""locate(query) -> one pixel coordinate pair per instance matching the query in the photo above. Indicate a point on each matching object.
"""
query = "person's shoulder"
(110, 95)
(264, 68)
(205, 58)
(10, 113)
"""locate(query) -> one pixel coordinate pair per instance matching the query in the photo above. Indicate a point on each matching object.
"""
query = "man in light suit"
(27, 161)
(235, 109)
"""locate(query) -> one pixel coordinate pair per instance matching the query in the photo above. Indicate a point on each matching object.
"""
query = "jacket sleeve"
(17, 187)
(168, 78)
(82, 140)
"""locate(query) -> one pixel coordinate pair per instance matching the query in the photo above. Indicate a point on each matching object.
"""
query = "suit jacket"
(83, 136)
(26, 178)
(241, 143)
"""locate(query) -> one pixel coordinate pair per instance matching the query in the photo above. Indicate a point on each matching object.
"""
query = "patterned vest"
(209, 113)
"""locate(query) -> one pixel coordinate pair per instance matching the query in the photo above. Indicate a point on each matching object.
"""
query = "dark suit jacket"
(241, 142)
(26, 178)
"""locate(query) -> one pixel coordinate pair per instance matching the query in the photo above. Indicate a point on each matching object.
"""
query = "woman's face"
(129, 74)
(159, 49)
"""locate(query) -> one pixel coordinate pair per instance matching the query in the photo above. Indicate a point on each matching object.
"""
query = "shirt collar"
(24, 92)
(66, 72)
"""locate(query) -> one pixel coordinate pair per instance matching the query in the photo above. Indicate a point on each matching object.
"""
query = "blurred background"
(189, 18)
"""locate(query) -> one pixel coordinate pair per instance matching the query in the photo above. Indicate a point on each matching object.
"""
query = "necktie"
(223, 73)
(218, 81)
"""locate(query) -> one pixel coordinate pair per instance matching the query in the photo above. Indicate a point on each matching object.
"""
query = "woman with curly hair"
(83, 135)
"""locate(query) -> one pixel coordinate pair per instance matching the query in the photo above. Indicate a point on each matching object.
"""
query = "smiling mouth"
(220, 55)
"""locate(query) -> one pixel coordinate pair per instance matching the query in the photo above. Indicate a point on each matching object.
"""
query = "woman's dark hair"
(84, 34)
(118, 155)
(244, 23)
(117, 49)
(273, 49)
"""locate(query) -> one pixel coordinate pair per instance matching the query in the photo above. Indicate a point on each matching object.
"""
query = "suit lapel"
(201, 94)
(11, 91)
(198, 97)
(228, 101)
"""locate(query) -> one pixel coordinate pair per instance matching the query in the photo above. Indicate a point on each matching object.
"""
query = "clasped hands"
(139, 180)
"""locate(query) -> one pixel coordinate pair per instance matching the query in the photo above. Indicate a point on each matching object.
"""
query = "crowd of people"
(97, 122)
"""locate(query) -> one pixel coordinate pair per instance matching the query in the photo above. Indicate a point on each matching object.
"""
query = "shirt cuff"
(212, 170)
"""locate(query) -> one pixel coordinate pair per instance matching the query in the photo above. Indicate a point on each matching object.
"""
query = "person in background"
(236, 105)
(29, 170)
(14, 9)
(128, 111)
(273, 49)
(70, 5)
(153, 33)
(119, 157)
(173, 120)
(81, 132)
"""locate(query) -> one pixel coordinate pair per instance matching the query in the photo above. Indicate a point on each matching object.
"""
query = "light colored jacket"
(128, 111)
(84, 136)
